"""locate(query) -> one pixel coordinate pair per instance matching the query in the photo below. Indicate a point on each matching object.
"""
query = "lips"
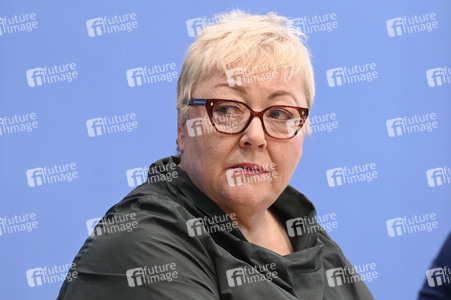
(249, 169)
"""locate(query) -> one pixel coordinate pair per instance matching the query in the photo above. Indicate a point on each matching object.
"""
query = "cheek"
(298, 145)
(299, 151)
(287, 158)
(209, 151)
(293, 151)
(216, 146)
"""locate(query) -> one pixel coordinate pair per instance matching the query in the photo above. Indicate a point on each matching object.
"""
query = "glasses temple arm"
(200, 102)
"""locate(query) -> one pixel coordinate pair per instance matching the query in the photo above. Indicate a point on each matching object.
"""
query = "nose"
(254, 136)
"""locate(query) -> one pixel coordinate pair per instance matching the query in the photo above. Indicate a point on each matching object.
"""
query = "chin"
(247, 194)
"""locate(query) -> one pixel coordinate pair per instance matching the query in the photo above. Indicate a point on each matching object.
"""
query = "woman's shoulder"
(146, 222)
(145, 231)
(152, 201)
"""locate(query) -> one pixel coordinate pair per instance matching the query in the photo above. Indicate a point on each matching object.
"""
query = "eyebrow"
(236, 87)
(273, 95)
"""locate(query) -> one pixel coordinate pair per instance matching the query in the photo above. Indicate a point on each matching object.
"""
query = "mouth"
(249, 169)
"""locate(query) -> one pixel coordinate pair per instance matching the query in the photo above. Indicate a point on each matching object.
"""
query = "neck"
(264, 229)
(261, 227)
(252, 224)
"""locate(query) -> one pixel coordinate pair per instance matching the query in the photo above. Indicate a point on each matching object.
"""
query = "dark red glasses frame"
(210, 103)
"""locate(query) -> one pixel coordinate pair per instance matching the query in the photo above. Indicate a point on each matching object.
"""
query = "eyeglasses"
(233, 117)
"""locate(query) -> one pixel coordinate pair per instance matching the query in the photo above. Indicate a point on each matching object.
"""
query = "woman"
(219, 221)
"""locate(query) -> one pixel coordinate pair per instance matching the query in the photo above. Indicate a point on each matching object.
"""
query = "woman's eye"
(227, 109)
(280, 114)
(224, 109)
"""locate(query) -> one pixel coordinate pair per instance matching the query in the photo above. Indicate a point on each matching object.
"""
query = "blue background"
(101, 89)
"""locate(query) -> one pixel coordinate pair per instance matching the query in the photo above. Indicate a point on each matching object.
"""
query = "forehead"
(265, 86)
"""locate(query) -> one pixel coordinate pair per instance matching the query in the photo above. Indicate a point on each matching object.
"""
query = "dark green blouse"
(182, 246)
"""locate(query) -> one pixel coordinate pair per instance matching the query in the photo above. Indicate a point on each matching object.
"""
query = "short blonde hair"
(244, 40)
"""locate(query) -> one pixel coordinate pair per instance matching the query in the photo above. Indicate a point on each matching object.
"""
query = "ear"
(181, 134)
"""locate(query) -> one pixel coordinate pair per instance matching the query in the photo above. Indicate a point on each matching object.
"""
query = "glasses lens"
(230, 117)
(283, 122)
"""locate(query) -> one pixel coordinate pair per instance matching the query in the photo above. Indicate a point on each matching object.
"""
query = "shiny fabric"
(442, 290)
(204, 262)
